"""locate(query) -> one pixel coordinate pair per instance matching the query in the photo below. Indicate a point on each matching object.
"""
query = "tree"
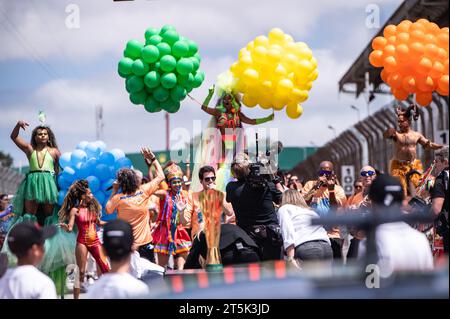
(5, 159)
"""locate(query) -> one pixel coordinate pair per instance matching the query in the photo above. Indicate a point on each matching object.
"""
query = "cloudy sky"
(66, 72)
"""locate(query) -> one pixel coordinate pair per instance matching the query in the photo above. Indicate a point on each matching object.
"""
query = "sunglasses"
(210, 179)
(358, 186)
(367, 173)
(324, 172)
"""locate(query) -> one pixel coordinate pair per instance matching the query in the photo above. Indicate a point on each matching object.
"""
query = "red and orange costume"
(87, 235)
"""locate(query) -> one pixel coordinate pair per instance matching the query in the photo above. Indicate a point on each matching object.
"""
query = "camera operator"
(254, 209)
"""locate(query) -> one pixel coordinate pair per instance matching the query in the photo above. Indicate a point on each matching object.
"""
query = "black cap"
(26, 234)
(386, 190)
(117, 239)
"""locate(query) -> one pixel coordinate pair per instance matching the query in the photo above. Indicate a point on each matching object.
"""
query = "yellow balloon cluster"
(275, 72)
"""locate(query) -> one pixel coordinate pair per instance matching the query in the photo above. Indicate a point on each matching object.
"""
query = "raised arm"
(427, 143)
(390, 133)
(247, 120)
(209, 110)
(20, 142)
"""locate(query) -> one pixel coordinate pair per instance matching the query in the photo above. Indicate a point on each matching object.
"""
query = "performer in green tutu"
(37, 197)
(39, 186)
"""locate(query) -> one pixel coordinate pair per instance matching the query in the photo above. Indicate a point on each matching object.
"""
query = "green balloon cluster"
(160, 73)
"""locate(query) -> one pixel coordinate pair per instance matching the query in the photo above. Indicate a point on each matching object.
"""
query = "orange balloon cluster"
(414, 57)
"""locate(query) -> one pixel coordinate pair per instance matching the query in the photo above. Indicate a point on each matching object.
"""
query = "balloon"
(376, 58)
(78, 156)
(180, 49)
(151, 105)
(135, 83)
(443, 84)
(123, 162)
(154, 40)
(152, 79)
(101, 145)
(64, 159)
(390, 30)
(395, 80)
(61, 196)
(150, 54)
(178, 93)
(198, 79)
(107, 158)
(125, 65)
(193, 48)
(133, 49)
(169, 80)
(294, 111)
(184, 66)
(92, 150)
(164, 49)
(100, 197)
(82, 170)
(94, 183)
(107, 184)
(168, 63)
(409, 83)
(69, 174)
(400, 94)
(102, 172)
(437, 70)
(140, 68)
(138, 97)
(170, 37)
(117, 153)
(161, 94)
(390, 64)
(424, 98)
(63, 183)
(170, 106)
(151, 32)
(425, 84)
(91, 164)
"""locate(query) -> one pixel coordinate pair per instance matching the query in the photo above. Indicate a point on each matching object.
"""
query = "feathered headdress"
(226, 83)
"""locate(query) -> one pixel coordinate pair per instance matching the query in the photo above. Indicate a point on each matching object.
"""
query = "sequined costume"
(87, 235)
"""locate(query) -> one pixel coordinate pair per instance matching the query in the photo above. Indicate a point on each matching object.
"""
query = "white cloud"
(39, 29)
(35, 31)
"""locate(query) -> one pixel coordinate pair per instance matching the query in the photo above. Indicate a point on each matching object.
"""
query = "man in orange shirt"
(133, 202)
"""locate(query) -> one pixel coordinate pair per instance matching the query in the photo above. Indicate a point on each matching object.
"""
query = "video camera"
(260, 171)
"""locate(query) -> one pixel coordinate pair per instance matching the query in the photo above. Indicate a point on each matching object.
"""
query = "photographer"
(254, 209)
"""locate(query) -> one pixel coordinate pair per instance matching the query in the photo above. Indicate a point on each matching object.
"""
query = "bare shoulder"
(54, 151)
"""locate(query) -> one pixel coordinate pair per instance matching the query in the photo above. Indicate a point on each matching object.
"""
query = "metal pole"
(167, 131)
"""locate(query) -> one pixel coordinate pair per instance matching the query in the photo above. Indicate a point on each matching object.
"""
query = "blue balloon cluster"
(91, 161)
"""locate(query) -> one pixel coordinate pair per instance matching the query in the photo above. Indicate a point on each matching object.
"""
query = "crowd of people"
(161, 221)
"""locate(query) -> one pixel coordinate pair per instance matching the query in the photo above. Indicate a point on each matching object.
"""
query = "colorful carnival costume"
(87, 235)
(169, 236)
(39, 185)
(400, 168)
(228, 121)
